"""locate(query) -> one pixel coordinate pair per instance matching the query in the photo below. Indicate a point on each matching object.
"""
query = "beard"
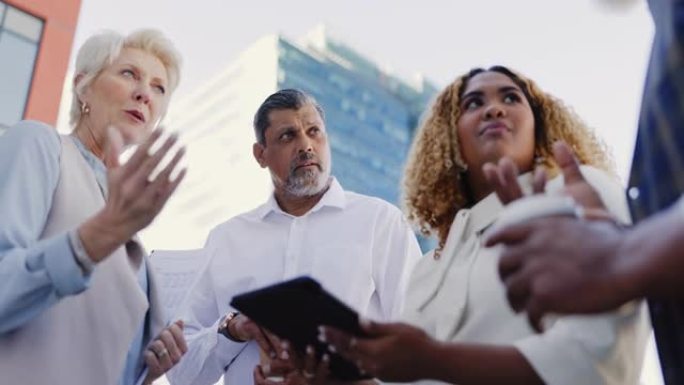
(309, 181)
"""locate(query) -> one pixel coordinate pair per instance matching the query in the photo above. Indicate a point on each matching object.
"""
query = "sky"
(590, 53)
(586, 52)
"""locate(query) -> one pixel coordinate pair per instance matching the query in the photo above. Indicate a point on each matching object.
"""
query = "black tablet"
(294, 309)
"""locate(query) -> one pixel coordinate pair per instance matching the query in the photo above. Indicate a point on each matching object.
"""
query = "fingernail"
(326, 358)
(332, 349)
(266, 368)
(321, 334)
(284, 355)
(176, 173)
(284, 345)
(309, 350)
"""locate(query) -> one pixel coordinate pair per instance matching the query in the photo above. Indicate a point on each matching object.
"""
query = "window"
(20, 35)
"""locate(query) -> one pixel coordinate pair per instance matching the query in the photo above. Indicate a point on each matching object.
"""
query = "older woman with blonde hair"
(78, 304)
(462, 328)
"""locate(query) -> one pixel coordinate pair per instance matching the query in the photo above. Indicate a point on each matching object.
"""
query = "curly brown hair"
(433, 189)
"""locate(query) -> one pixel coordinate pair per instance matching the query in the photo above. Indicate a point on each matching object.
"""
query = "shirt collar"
(334, 197)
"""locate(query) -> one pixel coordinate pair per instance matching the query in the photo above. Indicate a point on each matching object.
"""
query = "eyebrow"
(284, 128)
(501, 90)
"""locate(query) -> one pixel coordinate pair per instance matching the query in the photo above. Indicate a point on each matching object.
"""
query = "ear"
(258, 152)
(79, 92)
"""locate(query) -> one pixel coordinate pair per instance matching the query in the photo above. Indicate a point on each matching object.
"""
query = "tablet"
(294, 309)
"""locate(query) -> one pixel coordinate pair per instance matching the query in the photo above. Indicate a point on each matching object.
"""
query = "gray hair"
(287, 99)
(102, 49)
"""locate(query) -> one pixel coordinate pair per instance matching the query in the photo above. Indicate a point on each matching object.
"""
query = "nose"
(142, 94)
(305, 144)
(494, 111)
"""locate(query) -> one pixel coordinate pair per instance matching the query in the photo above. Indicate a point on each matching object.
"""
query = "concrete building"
(35, 45)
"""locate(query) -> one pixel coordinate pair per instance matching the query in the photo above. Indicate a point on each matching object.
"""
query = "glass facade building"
(370, 117)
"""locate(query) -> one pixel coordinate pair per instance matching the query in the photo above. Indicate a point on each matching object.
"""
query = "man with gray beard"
(360, 248)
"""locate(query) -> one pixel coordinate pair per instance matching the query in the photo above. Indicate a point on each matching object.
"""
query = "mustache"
(303, 158)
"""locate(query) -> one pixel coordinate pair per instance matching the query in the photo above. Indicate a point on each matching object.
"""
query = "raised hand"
(577, 272)
(134, 198)
(503, 178)
(575, 185)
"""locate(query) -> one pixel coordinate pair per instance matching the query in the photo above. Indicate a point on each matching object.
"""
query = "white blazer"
(460, 298)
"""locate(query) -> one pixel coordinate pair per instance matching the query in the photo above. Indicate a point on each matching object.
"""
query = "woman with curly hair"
(462, 328)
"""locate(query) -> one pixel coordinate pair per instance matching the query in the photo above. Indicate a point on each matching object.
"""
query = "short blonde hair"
(102, 49)
(433, 190)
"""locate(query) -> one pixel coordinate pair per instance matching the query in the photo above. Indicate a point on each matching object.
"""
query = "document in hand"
(294, 309)
(175, 272)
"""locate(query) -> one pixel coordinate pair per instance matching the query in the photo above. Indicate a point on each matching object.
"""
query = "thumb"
(113, 147)
(180, 323)
(567, 162)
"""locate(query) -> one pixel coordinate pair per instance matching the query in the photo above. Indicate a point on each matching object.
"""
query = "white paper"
(175, 273)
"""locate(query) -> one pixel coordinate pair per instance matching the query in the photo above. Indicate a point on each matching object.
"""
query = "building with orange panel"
(35, 45)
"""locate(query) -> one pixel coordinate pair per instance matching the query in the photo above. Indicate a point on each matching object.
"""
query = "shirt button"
(633, 193)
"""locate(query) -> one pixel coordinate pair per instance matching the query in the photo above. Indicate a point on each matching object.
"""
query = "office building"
(35, 45)
(370, 117)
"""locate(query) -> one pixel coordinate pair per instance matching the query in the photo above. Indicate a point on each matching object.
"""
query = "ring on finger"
(162, 353)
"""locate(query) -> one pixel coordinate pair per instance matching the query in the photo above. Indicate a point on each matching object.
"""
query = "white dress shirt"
(359, 248)
(460, 298)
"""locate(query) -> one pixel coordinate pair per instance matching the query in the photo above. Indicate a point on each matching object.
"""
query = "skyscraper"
(370, 118)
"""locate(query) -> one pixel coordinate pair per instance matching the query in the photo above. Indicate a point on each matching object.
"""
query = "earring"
(85, 109)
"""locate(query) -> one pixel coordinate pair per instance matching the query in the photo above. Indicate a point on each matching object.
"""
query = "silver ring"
(162, 353)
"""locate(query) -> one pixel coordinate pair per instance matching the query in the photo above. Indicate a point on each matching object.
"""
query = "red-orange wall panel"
(60, 19)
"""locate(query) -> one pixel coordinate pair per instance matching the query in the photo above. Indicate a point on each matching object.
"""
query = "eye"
(472, 104)
(314, 130)
(128, 73)
(511, 98)
(285, 136)
(160, 89)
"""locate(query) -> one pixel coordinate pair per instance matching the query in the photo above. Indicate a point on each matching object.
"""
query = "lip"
(494, 127)
(306, 165)
(136, 115)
